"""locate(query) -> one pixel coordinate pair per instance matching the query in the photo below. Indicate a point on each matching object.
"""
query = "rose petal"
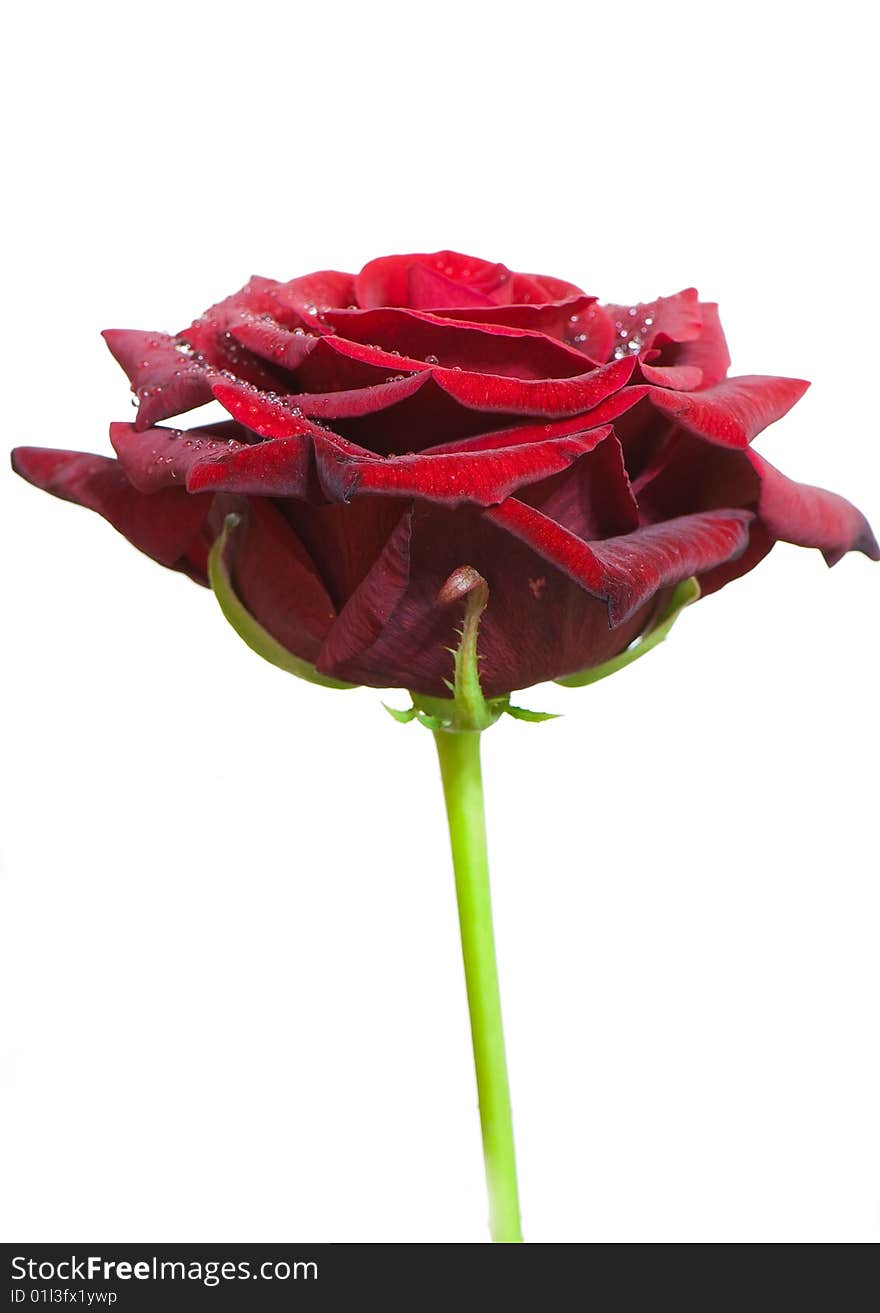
(166, 525)
(279, 346)
(279, 467)
(733, 412)
(538, 623)
(692, 475)
(811, 517)
(551, 397)
(163, 458)
(415, 338)
(264, 413)
(482, 477)
(354, 402)
(593, 499)
(536, 289)
(683, 378)
(708, 352)
(677, 318)
(277, 581)
(428, 289)
(386, 281)
(163, 373)
(576, 320)
(626, 571)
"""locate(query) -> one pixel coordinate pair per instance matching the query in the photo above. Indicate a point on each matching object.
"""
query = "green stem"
(463, 789)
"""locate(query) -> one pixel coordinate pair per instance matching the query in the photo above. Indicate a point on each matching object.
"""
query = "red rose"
(438, 411)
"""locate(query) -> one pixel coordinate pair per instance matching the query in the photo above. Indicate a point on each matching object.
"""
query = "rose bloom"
(439, 411)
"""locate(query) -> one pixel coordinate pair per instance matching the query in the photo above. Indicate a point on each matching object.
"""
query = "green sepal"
(244, 624)
(433, 722)
(402, 717)
(686, 592)
(523, 713)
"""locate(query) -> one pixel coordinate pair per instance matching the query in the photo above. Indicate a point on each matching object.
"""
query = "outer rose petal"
(483, 477)
(279, 467)
(264, 413)
(538, 623)
(759, 545)
(166, 525)
(593, 499)
(165, 458)
(626, 571)
(733, 412)
(279, 346)
(166, 379)
(675, 318)
(691, 475)
(811, 517)
(277, 580)
(708, 352)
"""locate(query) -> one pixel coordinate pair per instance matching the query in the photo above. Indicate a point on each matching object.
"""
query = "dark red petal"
(210, 338)
(209, 460)
(304, 300)
(577, 320)
(811, 517)
(217, 334)
(279, 346)
(372, 603)
(538, 624)
(163, 458)
(166, 525)
(164, 375)
(626, 571)
(264, 413)
(517, 434)
(732, 412)
(280, 467)
(760, 543)
(691, 475)
(344, 540)
(299, 302)
(482, 477)
(593, 499)
(551, 397)
(277, 580)
(414, 338)
(351, 403)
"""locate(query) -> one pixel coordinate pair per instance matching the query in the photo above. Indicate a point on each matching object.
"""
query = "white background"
(233, 1002)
